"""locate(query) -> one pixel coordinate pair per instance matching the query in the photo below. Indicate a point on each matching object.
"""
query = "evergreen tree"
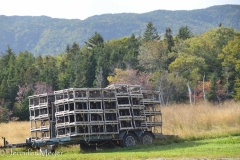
(168, 36)
(130, 58)
(99, 78)
(220, 24)
(68, 48)
(212, 95)
(80, 68)
(3, 90)
(4, 63)
(94, 46)
(49, 73)
(39, 67)
(150, 33)
(24, 61)
(95, 40)
(4, 114)
(184, 33)
(102, 61)
(11, 80)
(75, 48)
(91, 66)
(8, 84)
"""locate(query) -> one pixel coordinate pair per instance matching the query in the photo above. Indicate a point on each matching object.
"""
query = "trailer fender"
(151, 134)
(136, 134)
(121, 135)
(139, 134)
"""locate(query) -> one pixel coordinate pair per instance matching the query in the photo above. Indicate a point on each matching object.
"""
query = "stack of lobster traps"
(152, 111)
(128, 106)
(41, 115)
(94, 111)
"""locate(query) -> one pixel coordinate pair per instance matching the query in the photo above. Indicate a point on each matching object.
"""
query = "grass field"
(204, 130)
(201, 120)
(219, 148)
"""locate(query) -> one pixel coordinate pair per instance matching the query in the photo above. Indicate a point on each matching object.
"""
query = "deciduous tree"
(131, 77)
(153, 56)
(231, 62)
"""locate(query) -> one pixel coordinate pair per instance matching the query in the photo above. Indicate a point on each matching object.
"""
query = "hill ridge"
(45, 35)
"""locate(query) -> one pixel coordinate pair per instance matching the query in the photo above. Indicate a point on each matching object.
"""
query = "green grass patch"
(223, 147)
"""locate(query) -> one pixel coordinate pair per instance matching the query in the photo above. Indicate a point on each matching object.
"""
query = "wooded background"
(185, 68)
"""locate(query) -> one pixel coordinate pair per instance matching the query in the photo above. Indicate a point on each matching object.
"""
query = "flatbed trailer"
(121, 113)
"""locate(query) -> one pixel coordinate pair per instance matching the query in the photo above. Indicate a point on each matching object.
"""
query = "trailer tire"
(129, 140)
(147, 138)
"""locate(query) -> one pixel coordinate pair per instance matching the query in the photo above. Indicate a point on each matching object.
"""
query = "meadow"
(204, 131)
(202, 120)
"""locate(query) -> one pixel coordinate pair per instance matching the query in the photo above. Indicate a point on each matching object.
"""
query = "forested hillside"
(48, 36)
(185, 68)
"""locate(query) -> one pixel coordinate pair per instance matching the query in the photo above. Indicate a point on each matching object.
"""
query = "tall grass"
(202, 120)
(14, 132)
(197, 121)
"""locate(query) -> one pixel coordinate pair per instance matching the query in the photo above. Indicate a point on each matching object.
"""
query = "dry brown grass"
(201, 120)
(15, 132)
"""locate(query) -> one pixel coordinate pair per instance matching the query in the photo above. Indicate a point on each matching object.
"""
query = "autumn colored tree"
(176, 69)
(131, 77)
(21, 107)
(42, 87)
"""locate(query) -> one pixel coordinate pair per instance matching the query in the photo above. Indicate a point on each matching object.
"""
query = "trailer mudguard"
(121, 135)
(139, 134)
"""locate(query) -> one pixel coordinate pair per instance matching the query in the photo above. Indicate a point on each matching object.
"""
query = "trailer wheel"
(129, 140)
(147, 138)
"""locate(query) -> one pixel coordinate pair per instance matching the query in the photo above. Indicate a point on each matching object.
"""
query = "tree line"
(184, 68)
